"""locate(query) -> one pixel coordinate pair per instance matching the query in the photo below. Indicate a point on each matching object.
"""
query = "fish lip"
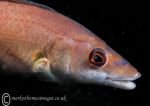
(123, 80)
(126, 84)
(138, 75)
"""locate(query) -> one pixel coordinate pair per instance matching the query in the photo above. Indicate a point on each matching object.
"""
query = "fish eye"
(97, 57)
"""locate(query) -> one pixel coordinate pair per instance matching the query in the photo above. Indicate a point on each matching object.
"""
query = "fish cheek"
(60, 65)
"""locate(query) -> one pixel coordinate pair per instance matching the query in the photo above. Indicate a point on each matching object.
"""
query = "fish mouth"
(126, 84)
(123, 84)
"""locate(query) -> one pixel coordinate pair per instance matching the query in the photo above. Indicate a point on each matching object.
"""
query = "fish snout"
(137, 75)
(123, 77)
(123, 70)
(131, 73)
(127, 73)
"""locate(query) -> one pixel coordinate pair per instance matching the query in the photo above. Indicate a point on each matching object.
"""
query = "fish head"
(94, 61)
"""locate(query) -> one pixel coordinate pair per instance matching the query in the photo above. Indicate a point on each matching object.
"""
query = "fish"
(37, 39)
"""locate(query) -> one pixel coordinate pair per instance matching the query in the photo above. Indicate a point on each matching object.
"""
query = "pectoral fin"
(42, 65)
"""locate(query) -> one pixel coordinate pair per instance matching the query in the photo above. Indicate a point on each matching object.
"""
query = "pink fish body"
(34, 38)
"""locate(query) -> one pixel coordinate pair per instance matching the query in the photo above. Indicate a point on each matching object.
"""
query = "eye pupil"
(97, 58)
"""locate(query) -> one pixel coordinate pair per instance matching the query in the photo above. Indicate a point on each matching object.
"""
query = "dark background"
(125, 27)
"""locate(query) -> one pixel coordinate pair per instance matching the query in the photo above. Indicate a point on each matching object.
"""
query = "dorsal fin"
(28, 2)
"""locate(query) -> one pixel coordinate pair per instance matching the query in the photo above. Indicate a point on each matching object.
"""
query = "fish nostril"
(121, 62)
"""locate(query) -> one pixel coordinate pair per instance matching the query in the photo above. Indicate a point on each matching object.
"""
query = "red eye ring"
(97, 57)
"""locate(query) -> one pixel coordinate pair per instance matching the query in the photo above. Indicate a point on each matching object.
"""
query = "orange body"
(29, 32)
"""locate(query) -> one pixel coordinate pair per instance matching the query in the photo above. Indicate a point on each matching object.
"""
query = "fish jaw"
(125, 83)
(102, 78)
(122, 77)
